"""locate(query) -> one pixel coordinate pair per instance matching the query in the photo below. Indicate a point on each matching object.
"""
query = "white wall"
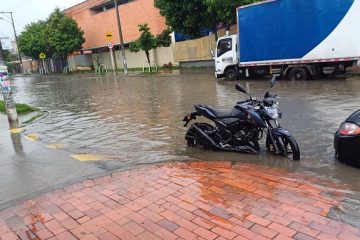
(160, 56)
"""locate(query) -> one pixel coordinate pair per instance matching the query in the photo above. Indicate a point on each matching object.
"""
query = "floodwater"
(137, 120)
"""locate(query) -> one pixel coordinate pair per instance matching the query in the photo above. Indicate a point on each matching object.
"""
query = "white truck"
(293, 39)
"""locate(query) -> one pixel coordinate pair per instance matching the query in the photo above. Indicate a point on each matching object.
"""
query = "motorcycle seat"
(219, 114)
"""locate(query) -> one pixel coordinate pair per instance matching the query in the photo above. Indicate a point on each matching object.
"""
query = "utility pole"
(17, 43)
(2, 58)
(16, 40)
(121, 37)
(5, 88)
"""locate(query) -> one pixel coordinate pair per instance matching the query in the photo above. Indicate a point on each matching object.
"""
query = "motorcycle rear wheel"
(254, 144)
(192, 141)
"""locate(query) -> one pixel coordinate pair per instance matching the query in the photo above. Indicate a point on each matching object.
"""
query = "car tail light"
(349, 129)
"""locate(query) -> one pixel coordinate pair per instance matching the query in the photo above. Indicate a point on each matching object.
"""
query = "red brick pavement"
(198, 200)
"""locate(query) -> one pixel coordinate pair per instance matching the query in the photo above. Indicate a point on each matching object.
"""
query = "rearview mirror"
(272, 82)
(267, 94)
(240, 88)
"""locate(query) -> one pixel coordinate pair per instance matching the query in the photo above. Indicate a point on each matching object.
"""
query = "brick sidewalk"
(214, 200)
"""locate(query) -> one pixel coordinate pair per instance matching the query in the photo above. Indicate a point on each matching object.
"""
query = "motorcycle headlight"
(273, 112)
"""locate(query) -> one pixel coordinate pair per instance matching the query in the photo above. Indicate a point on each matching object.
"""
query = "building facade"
(97, 18)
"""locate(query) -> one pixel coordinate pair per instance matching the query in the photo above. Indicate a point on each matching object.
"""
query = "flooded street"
(137, 120)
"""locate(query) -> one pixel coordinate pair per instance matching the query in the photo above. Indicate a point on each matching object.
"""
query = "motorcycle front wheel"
(286, 145)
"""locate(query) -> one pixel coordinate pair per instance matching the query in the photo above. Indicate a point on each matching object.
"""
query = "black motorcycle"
(241, 129)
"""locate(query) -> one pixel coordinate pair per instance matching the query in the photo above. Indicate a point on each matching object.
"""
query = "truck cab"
(226, 57)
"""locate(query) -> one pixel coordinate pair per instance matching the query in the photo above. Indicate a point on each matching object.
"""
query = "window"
(107, 5)
(225, 45)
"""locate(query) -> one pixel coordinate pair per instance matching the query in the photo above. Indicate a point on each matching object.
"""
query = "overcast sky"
(27, 11)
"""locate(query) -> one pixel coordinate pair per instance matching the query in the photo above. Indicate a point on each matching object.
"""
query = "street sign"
(110, 45)
(109, 36)
(42, 55)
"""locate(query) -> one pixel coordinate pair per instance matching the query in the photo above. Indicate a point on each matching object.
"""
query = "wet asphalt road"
(28, 168)
(137, 120)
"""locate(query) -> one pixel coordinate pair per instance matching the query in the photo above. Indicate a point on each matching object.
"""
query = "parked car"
(347, 140)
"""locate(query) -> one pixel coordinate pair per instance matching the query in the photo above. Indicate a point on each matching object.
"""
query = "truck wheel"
(298, 74)
(230, 74)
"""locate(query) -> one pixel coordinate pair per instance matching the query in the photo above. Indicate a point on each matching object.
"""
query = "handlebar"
(243, 101)
(253, 102)
(268, 99)
(248, 101)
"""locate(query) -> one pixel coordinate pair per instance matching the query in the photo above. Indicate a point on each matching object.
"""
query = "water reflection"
(16, 138)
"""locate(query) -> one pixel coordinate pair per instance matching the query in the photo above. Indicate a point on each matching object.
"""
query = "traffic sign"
(109, 36)
(42, 55)
(110, 45)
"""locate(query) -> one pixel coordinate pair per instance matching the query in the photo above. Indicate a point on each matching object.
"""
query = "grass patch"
(33, 118)
(20, 108)
(2, 106)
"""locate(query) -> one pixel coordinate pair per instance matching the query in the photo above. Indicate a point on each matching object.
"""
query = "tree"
(64, 36)
(58, 36)
(148, 41)
(8, 56)
(225, 11)
(190, 17)
(33, 40)
(187, 17)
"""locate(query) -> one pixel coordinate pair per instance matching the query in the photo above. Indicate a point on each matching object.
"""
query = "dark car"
(347, 140)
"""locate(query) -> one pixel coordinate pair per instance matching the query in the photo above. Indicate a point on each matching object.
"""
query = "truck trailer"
(294, 39)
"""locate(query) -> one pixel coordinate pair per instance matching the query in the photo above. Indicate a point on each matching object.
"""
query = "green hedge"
(20, 108)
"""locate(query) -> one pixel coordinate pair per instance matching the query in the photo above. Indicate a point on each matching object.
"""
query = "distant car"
(347, 140)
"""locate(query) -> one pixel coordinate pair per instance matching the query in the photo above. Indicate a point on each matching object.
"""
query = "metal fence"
(52, 65)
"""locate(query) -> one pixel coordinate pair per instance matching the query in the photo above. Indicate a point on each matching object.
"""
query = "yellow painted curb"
(32, 137)
(91, 157)
(56, 146)
(16, 130)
